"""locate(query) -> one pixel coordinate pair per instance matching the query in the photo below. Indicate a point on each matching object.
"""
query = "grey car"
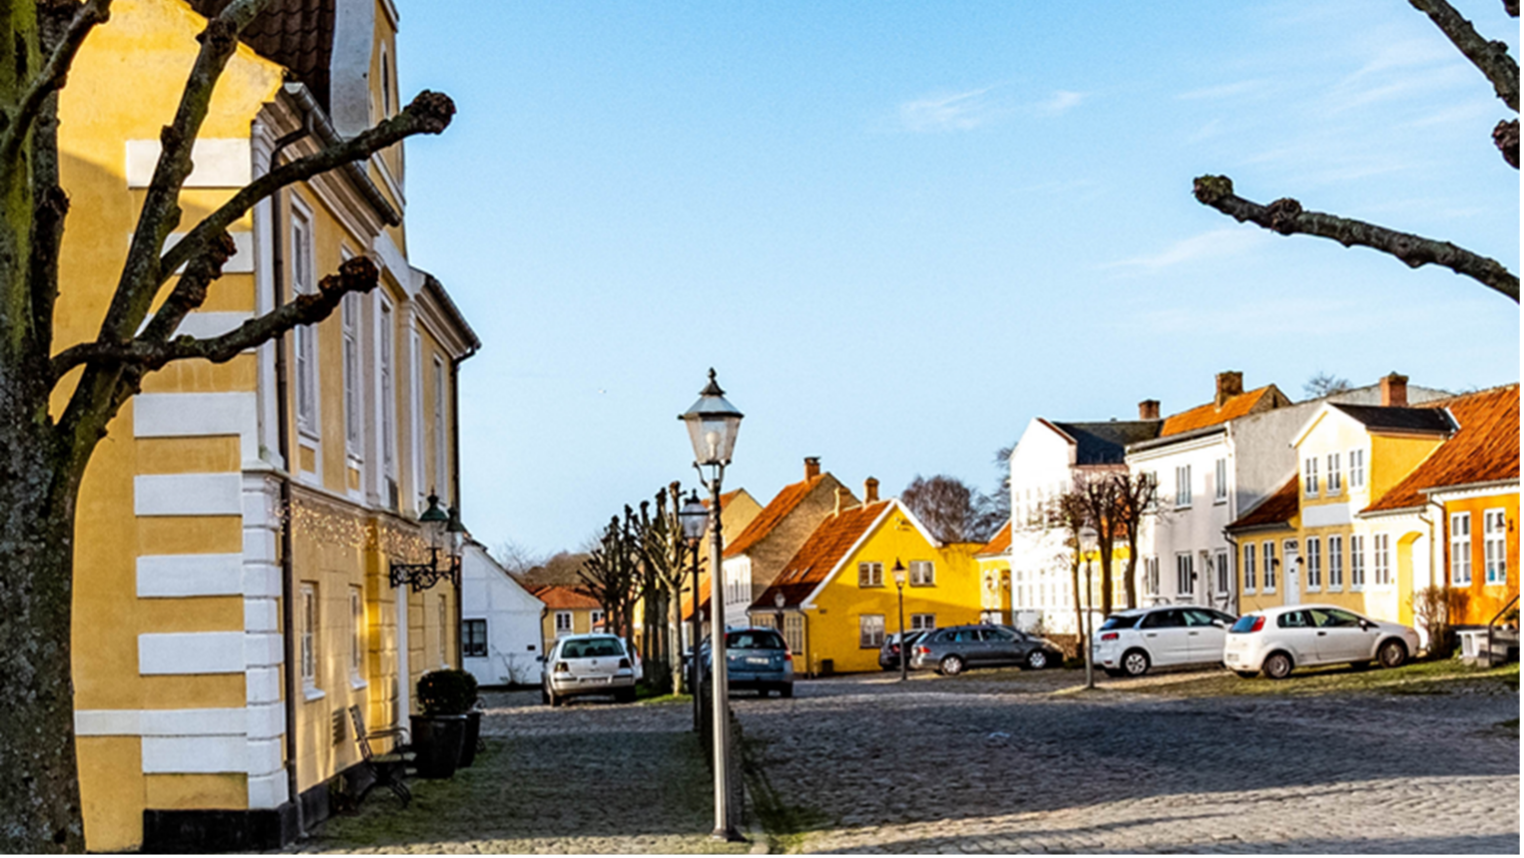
(889, 653)
(756, 659)
(952, 650)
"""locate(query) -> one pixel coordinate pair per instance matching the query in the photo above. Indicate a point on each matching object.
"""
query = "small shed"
(500, 622)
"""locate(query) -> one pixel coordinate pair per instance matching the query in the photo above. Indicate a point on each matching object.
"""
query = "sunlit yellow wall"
(995, 585)
(1482, 601)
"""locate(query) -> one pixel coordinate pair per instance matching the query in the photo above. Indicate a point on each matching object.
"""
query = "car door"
(1003, 646)
(1340, 636)
(1165, 637)
(1295, 632)
(1205, 636)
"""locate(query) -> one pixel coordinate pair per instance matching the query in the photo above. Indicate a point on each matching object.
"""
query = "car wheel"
(1392, 654)
(544, 696)
(1278, 665)
(553, 699)
(786, 691)
(1247, 674)
(1038, 660)
(1135, 662)
(951, 666)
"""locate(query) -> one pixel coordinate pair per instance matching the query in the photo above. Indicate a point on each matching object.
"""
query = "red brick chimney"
(1229, 385)
(811, 467)
(1148, 409)
(1394, 391)
(870, 491)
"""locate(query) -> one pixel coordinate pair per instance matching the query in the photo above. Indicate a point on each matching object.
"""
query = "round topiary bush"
(446, 692)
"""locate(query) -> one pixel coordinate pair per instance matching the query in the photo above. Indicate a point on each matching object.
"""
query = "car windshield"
(592, 648)
(1119, 621)
(1244, 625)
(754, 640)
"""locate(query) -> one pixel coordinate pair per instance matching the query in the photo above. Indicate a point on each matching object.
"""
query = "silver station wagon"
(581, 665)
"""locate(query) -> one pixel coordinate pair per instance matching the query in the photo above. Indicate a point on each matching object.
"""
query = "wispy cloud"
(962, 111)
(1226, 241)
(1062, 101)
(1260, 319)
(1227, 90)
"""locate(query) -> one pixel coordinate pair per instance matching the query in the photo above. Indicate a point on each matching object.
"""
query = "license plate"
(754, 660)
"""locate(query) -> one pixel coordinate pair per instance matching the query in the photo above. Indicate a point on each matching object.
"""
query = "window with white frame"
(1495, 545)
(1381, 559)
(594, 619)
(870, 574)
(1460, 549)
(415, 410)
(356, 634)
(1224, 573)
(353, 418)
(1151, 573)
(1335, 562)
(1220, 481)
(1335, 475)
(1310, 476)
(1151, 478)
(444, 631)
(441, 461)
(923, 622)
(303, 278)
(1250, 573)
(1267, 553)
(1356, 469)
(1183, 485)
(1356, 559)
(473, 638)
(309, 624)
(1185, 573)
(386, 376)
(563, 623)
(870, 631)
(793, 632)
(923, 573)
(1314, 550)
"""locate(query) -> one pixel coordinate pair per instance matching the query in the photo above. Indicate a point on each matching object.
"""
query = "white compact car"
(1279, 640)
(1131, 642)
(587, 664)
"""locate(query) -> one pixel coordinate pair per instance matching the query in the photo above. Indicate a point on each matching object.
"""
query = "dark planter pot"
(437, 744)
(473, 736)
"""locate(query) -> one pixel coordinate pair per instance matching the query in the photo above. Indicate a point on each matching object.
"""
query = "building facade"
(500, 634)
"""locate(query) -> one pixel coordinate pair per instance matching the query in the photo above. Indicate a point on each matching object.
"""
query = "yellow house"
(994, 559)
(568, 611)
(237, 529)
(837, 594)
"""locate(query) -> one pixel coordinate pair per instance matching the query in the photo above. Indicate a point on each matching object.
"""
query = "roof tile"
(1484, 449)
(999, 544)
(1211, 414)
(1278, 508)
(819, 554)
(771, 515)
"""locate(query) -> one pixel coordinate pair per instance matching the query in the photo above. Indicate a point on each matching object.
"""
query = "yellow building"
(994, 560)
(568, 611)
(237, 528)
(838, 597)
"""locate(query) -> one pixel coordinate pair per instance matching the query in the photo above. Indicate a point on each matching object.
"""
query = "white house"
(500, 622)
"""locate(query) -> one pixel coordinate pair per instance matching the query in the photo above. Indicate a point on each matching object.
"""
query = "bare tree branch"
(50, 78)
(1511, 7)
(1286, 217)
(355, 275)
(1506, 137)
(1490, 57)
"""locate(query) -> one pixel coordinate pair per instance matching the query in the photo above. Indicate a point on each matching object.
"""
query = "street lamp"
(779, 600)
(444, 532)
(712, 427)
(694, 518)
(899, 586)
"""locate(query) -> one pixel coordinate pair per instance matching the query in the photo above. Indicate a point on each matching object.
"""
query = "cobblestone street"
(1021, 765)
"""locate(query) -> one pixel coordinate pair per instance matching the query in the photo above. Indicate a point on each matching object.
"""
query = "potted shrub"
(439, 732)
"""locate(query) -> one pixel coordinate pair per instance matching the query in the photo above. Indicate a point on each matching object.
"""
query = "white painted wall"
(1041, 589)
(1195, 529)
(489, 593)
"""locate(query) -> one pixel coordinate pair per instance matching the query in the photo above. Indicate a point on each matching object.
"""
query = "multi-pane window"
(1267, 552)
(1381, 559)
(386, 373)
(1224, 582)
(922, 573)
(1152, 574)
(309, 621)
(442, 630)
(870, 574)
(1310, 476)
(563, 623)
(441, 466)
(1335, 476)
(353, 419)
(1151, 478)
(473, 638)
(302, 279)
(1220, 481)
(1356, 562)
(1185, 573)
(1335, 562)
(1183, 485)
(1250, 573)
(1460, 548)
(594, 619)
(793, 632)
(356, 634)
(870, 631)
(1356, 469)
(1314, 563)
(1495, 545)
(923, 622)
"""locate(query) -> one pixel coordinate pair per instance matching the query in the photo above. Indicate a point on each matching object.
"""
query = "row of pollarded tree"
(1101, 512)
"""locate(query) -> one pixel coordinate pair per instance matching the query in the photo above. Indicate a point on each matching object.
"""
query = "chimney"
(811, 467)
(1148, 409)
(1394, 391)
(870, 491)
(841, 494)
(1229, 384)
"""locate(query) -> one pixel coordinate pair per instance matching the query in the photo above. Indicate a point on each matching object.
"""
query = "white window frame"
(594, 617)
(923, 573)
(1185, 573)
(1495, 546)
(923, 622)
(870, 574)
(1460, 549)
(415, 403)
(1224, 572)
(386, 379)
(1182, 486)
(1151, 573)
(1310, 476)
(1381, 559)
(441, 447)
(354, 423)
(870, 631)
(307, 646)
(1220, 474)
(1312, 560)
(1268, 558)
(563, 623)
(1335, 476)
(1357, 468)
(1335, 562)
(1250, 574)
(304, 282)
(357, 636)
(1356, 562)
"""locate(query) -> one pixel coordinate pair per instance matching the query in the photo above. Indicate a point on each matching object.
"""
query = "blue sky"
(901, 230)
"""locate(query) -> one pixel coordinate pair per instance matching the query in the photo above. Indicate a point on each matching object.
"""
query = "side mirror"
(1367, 625)
(540, 659)
(1221, 624)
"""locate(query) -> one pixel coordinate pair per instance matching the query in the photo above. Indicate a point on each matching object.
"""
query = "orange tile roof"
(772, 515)
(562, 598)
(1484, 449)
(819, 554)
(1278, 508)
(1210, 414)
(1000, 544)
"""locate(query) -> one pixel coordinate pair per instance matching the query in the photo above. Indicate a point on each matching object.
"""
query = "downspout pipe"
(455, 362)
(317, 119)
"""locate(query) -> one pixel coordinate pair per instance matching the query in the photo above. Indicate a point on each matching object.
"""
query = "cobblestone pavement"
(1024, 765)
(590, 777)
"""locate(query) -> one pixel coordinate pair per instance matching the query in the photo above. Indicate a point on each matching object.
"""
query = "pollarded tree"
(952, 510)
(44, 453)
(1287, 217)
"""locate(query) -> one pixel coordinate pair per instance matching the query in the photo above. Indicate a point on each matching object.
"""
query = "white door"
(1293, 573)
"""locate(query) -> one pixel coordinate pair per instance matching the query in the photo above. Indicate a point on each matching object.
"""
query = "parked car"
(1130, 643)
(587, 664)
(952, 650)
(755, 658)
(1276, 641)
(889, 653)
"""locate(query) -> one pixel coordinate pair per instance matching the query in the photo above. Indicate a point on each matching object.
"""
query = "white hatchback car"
(1279, 640)
(587, 664)
(1131, 642)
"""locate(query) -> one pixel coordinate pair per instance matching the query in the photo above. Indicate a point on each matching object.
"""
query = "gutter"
(455, 362)
(314, 116)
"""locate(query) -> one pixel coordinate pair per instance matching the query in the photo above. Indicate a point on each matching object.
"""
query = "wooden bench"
(385, 769)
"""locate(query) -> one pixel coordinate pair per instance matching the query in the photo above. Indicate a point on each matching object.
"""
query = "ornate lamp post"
(779, 600)
(694, 518)
(899, 586)
(712, 427)
(444, 532)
